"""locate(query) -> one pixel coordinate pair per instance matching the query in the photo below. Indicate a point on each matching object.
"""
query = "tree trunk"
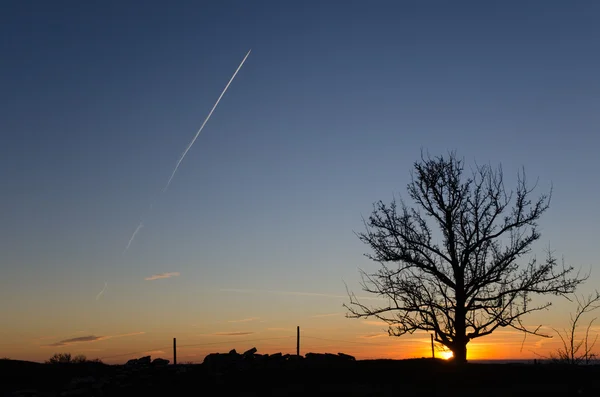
(459, 349)
(459, 352)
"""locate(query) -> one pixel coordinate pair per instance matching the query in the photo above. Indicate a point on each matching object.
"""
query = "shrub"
(66, 358)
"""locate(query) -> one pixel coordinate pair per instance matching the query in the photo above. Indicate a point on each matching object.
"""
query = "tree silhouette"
(60, 358)
(575, 351)
(66, 358)
(464, 281)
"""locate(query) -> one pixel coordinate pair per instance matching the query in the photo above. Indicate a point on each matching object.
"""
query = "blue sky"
(328, 114)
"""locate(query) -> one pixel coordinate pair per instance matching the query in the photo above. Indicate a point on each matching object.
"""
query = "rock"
(217, 361)
(160, 362)
(131, 362)
(138, 363)
(210, 358)
(250, 353)
(313, 356)
(346, 357)
(146, 360)
(329, 357)
(260, 359)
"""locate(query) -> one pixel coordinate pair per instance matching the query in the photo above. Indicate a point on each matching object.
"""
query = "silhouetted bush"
(578, 351)
(66, 358)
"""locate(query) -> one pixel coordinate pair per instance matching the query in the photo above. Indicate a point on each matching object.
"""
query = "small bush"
(66, 358)
(576, 350)
(60, 358)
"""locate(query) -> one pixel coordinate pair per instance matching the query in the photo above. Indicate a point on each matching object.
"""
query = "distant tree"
(79, 359)
(578, 351)
(463, 282)
(66, 358)
(60, 358)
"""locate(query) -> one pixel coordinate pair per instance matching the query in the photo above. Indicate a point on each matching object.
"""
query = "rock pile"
(113, 380)
(144, 376)
(144, 362)
(233, 360)
(330, 357)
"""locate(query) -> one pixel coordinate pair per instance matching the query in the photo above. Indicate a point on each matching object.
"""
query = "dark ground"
(305, 377)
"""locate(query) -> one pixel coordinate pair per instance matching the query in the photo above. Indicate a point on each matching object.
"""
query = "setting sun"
(446, 355)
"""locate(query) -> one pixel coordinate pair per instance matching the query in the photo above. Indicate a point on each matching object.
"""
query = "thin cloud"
(594, 329)
(279, 329)
(244, 320)
(325, 315)
(508, 332)
(371, 336)
(153, 352)
(542, 341)
(65, 342)
(89, 338)
(130, 334)
(295, 293)
(162, 275)
(240, 333)
(292, 293)
(373, 322)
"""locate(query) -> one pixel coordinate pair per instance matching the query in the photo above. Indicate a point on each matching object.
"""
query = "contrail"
(207, 117)
(101, 292)
(137, 229)
(190, 145)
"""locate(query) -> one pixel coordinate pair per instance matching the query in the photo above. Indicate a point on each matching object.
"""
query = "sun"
(446, 355)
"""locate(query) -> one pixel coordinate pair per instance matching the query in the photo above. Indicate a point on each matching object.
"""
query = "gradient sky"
(330, 111)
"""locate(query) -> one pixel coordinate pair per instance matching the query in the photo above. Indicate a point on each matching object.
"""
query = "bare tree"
(467, 283)
(66, 358)
(60, 358)
(575, 351)
(79, 359)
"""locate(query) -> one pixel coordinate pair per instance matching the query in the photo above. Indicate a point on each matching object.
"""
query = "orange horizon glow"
(324, 332)
(119, 348)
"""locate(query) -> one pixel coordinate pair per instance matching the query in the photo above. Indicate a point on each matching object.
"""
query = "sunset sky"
(255, 234)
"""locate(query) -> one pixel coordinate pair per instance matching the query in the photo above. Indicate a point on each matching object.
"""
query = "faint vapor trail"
(101, 292)
(137, 229)
(189, 146)
(200, 130)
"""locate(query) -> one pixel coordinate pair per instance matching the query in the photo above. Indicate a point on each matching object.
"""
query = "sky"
(256, 233)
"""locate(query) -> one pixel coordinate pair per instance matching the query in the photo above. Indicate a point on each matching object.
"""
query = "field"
(316, 375)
